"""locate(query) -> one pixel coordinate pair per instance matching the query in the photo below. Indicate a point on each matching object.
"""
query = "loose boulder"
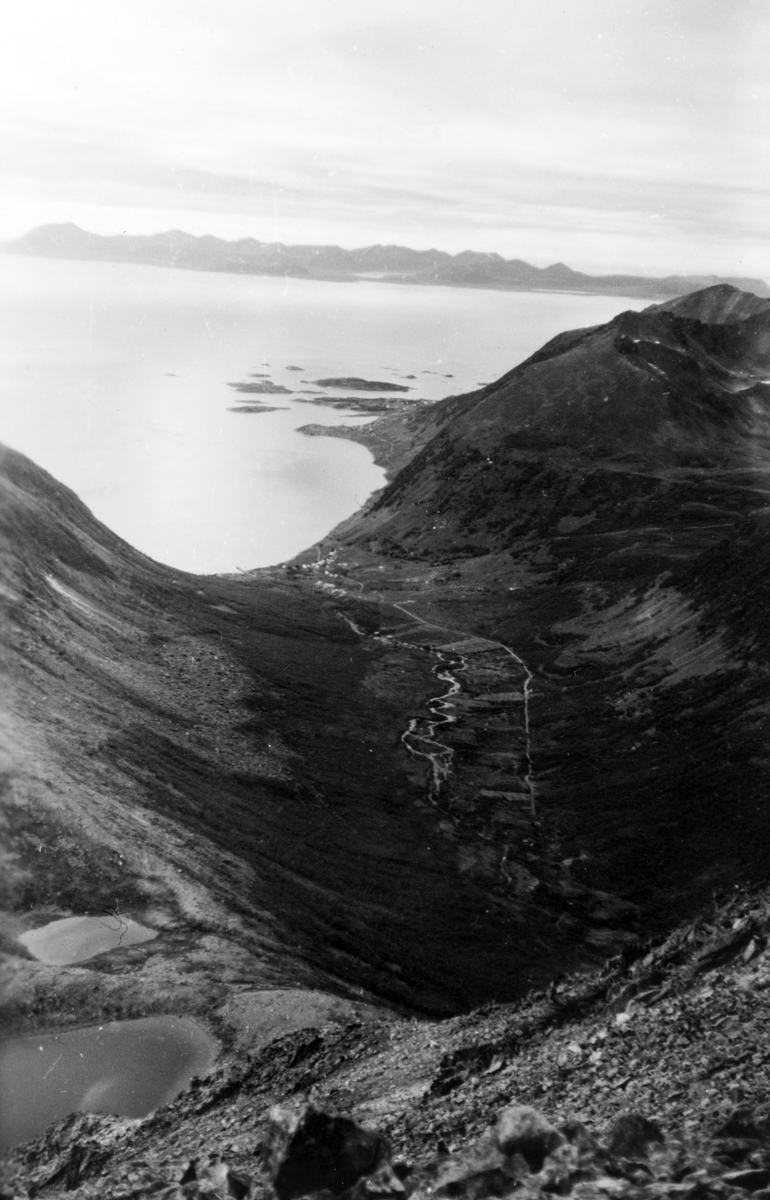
(310, 1151)
(631, 1136)
(523, 1130)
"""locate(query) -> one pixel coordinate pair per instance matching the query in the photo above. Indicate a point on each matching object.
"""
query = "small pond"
(74, 939)
(124, 1067)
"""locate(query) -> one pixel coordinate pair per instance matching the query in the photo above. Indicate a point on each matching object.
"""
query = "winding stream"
(517, 791)
(439, 755)
(419, 736)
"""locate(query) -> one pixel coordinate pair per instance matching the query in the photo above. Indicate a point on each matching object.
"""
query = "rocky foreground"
(649, 1078)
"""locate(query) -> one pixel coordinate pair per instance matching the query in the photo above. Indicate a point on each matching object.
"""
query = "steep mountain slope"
(225, 759)
(583, 511)
(672, 1044)
(397, 264)
(664, 401)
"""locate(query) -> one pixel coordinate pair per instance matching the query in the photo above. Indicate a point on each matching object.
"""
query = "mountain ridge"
(658, 385)
(396, 264)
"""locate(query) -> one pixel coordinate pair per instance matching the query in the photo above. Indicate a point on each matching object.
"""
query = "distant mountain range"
(394, 264)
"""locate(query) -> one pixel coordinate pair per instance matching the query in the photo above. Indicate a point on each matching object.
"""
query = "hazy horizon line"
(5, 242)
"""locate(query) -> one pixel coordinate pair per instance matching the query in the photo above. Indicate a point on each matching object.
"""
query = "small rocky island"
(362, 385)
(258, 408)
(264, 387)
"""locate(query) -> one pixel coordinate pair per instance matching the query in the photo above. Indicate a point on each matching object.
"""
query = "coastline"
(653, 294)
(380, 438)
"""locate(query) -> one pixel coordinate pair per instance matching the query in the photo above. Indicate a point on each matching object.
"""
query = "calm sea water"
(115, 379)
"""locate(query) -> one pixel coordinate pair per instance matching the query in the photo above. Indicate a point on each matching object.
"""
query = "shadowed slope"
(582, 510)
(228, 753)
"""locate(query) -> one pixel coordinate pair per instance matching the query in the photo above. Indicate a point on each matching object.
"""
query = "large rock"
(523, 1130)
(310, 1151)
(631, 1136)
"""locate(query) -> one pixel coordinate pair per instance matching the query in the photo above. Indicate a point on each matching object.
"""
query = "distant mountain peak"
(658, 387)
(720, 304)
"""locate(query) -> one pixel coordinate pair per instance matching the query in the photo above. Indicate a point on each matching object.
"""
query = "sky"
(614, 135)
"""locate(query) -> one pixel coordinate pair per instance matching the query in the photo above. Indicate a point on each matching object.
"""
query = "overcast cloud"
(611, 134)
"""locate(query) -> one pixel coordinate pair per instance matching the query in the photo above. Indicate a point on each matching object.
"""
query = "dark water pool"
(124, 1067)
